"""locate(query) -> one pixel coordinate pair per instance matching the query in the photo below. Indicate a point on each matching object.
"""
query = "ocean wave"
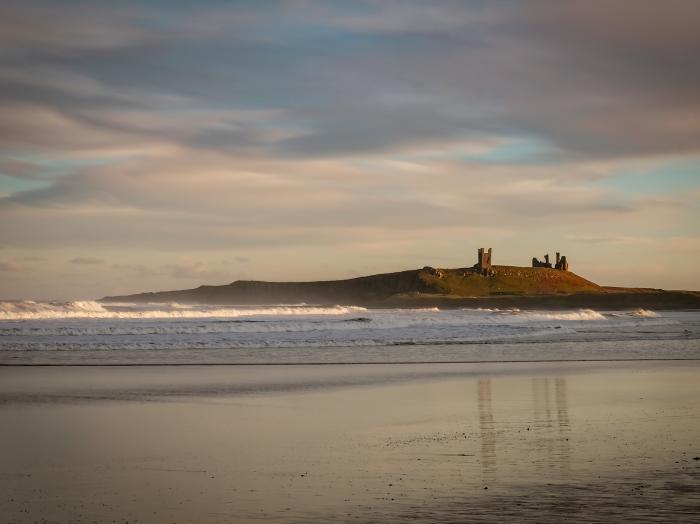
(489, 309)
(85, 309)
(581, 314)
(645, 313)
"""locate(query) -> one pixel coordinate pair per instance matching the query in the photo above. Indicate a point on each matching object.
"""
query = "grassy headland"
(506, 286)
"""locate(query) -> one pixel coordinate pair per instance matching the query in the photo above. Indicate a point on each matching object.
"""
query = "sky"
(166, 144)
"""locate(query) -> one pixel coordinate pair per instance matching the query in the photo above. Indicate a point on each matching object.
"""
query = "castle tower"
(483, 259)
(562, 263)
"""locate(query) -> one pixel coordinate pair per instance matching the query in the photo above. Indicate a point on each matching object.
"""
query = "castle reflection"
(545, 426)
(487, 428)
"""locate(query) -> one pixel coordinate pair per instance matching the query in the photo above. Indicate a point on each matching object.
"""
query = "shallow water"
(88, 332)
(582, 441)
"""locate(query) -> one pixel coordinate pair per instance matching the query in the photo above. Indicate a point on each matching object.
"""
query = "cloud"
(364, 128)
(17, 168)
(38, 28)
(197, 271)
(383, 76)
(609, 240)
(189, 271)
(136, 270)
(90, 261)
(12, 267)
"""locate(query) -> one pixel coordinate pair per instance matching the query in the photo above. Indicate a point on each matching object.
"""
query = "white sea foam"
(418, 310)
(75, 332)
(581, 314)
(30, 310)
(645, 313)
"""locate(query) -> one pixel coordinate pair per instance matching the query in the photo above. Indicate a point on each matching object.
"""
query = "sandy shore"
(584, 441)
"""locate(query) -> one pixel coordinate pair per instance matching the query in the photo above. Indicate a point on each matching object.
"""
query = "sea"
(95, 333)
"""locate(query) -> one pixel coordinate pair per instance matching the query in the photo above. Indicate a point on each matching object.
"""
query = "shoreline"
(349, 336)
(447, 442)
(360, 363)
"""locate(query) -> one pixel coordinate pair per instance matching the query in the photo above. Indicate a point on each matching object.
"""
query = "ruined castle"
(561, 262)
(483, 264)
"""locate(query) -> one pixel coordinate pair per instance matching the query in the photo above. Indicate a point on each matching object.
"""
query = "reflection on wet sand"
(549, 428)
(550, 423)
(487, 430)
(592, 442)
(564, 446)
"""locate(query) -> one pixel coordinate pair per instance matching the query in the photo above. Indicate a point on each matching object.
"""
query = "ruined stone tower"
(560, 264)
(483, 263)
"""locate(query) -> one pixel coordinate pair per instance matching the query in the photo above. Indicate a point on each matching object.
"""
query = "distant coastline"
(502, 287)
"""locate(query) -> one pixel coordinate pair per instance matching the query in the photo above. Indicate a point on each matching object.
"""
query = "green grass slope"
(374, 289)
(506, 280)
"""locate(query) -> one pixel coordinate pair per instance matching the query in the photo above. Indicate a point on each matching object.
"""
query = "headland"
(542, 286)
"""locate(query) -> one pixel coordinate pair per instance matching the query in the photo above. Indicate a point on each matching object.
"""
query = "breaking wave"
(645, 313)
(581, 314)
(30, 310)
(96, 332)
(515, 314)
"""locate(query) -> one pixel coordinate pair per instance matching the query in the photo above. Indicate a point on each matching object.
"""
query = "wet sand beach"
(539, 442)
